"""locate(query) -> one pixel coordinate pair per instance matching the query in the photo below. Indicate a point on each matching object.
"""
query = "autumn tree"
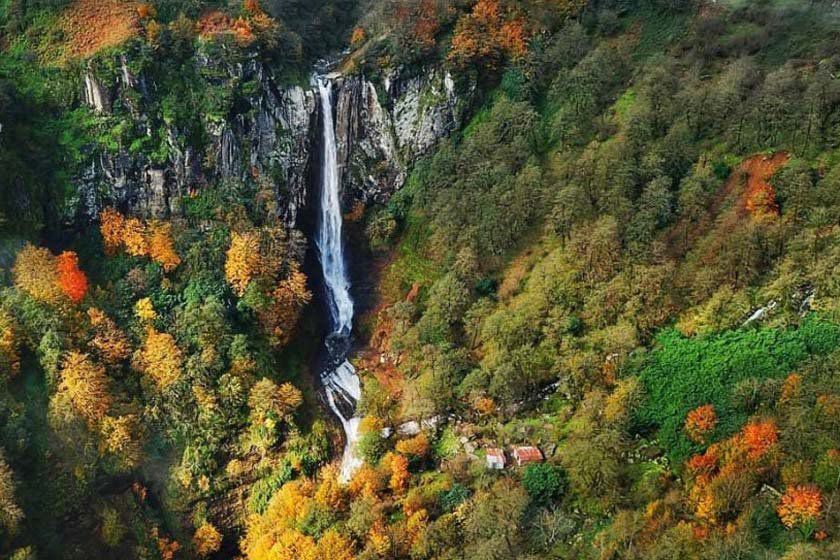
(288, 301)
(71, 279)
(86, 385)
(120, 436)
(330, 493)
(9, 346)
(800, 506)
(700, 422)
(145, 310)
(416, 447)
(134, 237)
(273, 535)
(261, 268)
(335, 546)
(488, 34)
(398, 467)
(112, 228)
(160, 358)
(109, 342)
(36, 274)
(161, 245)
(207, 540)
(243, 261)
(268, 399)
(759, 438)
(138, 238)
(270, 405)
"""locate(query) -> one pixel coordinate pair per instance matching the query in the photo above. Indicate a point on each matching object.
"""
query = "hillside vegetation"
(628, 257)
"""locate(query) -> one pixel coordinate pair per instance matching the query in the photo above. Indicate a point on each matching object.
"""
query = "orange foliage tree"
(488, 34)
(417, 447)
(700, 422)
(259, 260)
(162, 247)
(800, 506)
(416, 25)
(138, 239)
(71, 279)
(725, 476)
(759, 438)
(111, 226)
(398, 466)
(288, 301)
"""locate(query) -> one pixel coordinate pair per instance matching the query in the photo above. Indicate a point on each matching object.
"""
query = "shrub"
(544, 483)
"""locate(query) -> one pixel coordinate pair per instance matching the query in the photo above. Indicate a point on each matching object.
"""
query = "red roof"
(528, 454)
(495, 452)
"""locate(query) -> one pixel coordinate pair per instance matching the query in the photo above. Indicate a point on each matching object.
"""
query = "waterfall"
(341, 384)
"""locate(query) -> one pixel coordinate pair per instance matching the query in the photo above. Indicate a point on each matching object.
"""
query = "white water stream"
(341, 384)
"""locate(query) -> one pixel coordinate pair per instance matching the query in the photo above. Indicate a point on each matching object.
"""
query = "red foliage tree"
(71, 279)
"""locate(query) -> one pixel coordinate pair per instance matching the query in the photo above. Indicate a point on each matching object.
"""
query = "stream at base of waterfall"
(341, 384)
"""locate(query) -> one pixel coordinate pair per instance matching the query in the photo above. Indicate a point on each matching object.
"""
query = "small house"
(495, 459)
(527, 454)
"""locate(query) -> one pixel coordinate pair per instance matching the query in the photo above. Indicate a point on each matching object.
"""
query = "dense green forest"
(626, 257)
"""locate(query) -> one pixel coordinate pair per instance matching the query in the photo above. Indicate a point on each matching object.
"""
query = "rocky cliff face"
(382, 128)
(271, 138)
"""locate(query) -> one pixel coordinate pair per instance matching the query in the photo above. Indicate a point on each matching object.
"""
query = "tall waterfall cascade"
(341, 383)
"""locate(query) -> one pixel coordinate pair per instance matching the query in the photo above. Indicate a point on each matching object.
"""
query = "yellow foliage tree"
(9, 354)
(161, 358)
(86, 385)
(207, 540)
(273, 535)
(35, 273)
(120, 437)
(243, 261)
(334, 546)
(330, 493)
(144, 310)
(378, 540)
(134, 238)
(266, 398)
